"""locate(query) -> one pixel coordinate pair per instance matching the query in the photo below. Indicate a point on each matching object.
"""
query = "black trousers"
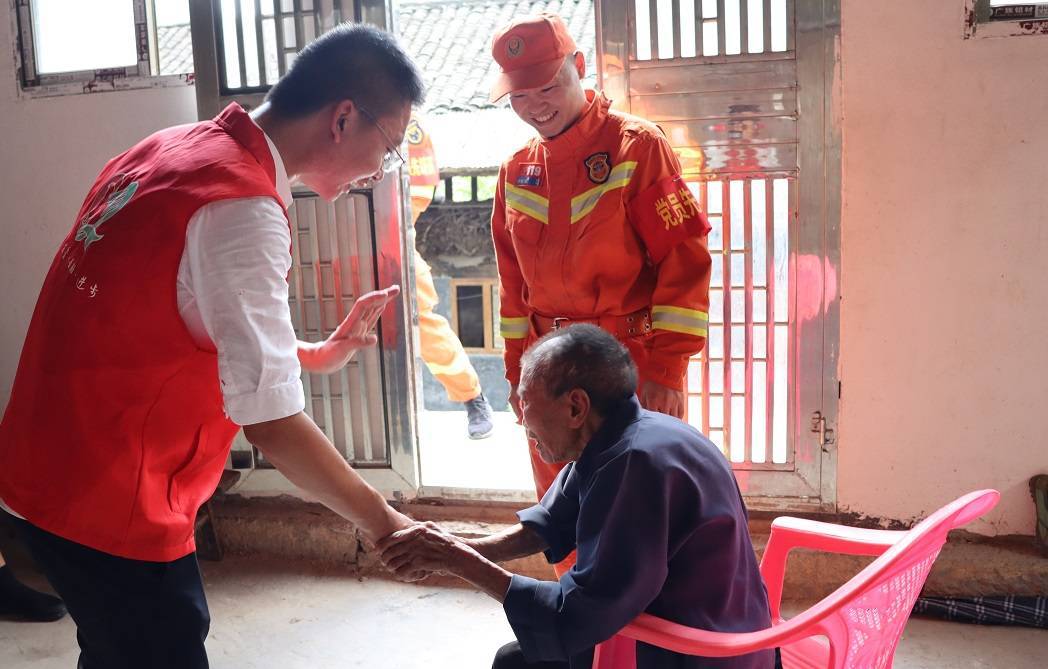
(129, 614)
(511, 657)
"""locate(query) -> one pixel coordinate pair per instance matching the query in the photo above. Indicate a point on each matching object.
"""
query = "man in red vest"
(163, 327)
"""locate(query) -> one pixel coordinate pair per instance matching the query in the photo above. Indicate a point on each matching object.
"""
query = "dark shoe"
(479, 415)
(22, 602)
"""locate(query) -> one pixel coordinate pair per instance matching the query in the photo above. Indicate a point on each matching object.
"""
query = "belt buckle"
(558, 321)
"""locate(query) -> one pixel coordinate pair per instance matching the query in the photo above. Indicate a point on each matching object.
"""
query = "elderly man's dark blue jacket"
(660, 526)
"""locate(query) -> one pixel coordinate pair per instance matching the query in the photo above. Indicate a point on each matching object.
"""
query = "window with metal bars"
(259, 39)
(709, 28)
(86, 47)
(737, 388)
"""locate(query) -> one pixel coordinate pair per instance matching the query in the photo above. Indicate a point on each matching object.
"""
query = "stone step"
(288, 528)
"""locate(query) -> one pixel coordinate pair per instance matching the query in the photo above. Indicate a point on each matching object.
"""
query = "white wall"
(944, 361)
(50, 153)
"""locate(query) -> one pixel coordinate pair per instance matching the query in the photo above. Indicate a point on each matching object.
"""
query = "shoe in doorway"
(479, 415)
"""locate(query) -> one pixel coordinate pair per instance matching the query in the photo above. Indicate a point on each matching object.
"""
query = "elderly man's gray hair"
(581, 356)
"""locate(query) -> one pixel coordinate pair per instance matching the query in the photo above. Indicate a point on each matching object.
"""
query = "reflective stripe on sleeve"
(513, 328)
(679, 319)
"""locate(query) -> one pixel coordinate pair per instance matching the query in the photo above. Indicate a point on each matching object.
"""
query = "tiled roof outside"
(450, 41)
(175, 49)
(476, 141)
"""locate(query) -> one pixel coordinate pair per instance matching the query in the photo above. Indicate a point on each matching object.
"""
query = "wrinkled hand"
(354, 332)
(420, 550)
(657, 397)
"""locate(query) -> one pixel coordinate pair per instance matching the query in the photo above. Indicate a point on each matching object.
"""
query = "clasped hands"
(423, 549)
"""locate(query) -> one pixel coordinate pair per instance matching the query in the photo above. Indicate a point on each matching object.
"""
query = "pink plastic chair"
(858, 626)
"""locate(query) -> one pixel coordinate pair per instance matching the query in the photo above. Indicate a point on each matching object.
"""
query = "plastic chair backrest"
(870, 611)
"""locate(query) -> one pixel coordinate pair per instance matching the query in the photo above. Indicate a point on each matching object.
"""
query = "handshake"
(415, 552)
(421, 549)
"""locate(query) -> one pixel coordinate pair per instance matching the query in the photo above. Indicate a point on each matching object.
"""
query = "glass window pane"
(461, 189)
(687, 32)
(230, 44)
(643, 29)
(710, 46)
(694, 377)
(758, 230)
(486, 187)
(470, 304)
(738, 215)
(732, 32)
(716, 377)
(781, 198)
(664, 14)
(755, 22)
(716, 305)
(760, 419)
(74, 36)
(738, 429)
(779, 436)
(778, 25)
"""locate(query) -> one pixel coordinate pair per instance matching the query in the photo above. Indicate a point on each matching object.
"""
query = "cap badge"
(514, 47)
(414, 133)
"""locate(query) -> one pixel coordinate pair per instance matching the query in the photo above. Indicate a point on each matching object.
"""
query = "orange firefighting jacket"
(597, 222)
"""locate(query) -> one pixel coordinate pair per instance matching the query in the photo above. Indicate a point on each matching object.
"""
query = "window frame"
(490, 308)
(980, 20)
(144, 74)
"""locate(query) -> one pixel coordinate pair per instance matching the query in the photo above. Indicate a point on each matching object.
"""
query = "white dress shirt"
(233, 297)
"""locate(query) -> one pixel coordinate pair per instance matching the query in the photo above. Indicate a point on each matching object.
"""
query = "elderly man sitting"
(650, 504)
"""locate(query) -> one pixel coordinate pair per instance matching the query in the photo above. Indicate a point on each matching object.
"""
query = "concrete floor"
(290, 616)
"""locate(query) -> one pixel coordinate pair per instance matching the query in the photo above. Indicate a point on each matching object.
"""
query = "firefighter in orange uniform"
(593, 223)
(441, 349)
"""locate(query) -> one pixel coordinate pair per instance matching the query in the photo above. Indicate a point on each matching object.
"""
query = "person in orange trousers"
(441, 349)
(593, 223)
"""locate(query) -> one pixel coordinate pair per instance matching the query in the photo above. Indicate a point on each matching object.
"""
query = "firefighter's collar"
(565, 145)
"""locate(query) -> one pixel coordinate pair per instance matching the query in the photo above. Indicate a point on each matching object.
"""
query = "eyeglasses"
(393, 158)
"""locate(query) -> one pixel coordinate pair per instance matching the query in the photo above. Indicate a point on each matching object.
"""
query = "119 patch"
(530, 175)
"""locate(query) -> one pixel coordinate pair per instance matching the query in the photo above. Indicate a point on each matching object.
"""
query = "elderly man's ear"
(580, 407)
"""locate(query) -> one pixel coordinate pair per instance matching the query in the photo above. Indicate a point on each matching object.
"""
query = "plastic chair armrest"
(802, 533)
(788, 533)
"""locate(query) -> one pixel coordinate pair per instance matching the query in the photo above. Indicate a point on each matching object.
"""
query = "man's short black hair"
(352, 61)
(582, 356)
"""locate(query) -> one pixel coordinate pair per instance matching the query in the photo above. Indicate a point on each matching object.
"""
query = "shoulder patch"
(598, 166)
(665, 215)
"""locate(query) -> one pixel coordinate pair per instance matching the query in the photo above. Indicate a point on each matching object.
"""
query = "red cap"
(530, 52)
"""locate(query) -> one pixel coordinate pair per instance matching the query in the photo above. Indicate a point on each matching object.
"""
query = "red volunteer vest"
(115, 432)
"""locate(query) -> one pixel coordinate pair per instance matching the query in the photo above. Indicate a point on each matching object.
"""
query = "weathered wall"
(944, 310)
